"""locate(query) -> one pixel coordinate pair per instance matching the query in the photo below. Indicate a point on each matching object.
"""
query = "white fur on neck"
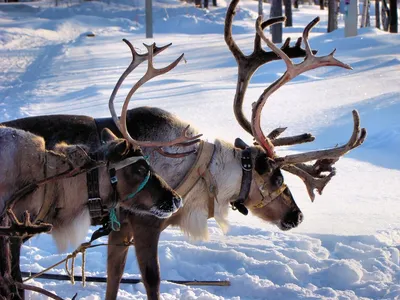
(226, 170)
(72, 234)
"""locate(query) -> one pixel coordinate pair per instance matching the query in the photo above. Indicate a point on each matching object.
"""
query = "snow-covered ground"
(346, 248)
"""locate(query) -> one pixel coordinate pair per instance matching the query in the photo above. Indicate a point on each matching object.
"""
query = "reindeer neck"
(106, 191)
(226, 170)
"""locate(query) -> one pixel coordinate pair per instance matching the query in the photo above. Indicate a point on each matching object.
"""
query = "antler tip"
(258, 20)
(363, 135)
(356, 117)
(148, 46)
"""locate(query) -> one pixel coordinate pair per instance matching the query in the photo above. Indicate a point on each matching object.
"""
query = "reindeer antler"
(25, 228)
(310, 62)
(137, 59)
(311, 175)
(248, 64)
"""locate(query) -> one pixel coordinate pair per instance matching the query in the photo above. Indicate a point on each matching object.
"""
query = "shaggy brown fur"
(25, 159)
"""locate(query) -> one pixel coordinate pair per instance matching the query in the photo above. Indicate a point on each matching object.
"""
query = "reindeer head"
(266, 195)
(141, 189)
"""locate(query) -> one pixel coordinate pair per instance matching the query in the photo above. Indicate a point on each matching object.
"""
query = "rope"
(115, 224)
(70, 271)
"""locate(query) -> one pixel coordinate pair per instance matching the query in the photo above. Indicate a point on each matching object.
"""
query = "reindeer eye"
(277, 178)
(141, 168)
(279, 181)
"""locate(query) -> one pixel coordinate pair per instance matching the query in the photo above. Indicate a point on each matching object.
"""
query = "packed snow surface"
(347, 246)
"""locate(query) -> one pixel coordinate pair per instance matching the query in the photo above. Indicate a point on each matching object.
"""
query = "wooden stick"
(126, 280)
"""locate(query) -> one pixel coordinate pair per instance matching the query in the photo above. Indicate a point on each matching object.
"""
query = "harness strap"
(199, 170)
(247, 177)
(271, 195)
(95, 204)
(203, 159)
(141, 186)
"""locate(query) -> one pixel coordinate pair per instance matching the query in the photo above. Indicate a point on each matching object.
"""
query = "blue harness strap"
(141, 186)
(115, 224)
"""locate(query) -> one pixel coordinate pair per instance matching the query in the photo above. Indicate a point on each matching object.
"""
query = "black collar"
(247, 176)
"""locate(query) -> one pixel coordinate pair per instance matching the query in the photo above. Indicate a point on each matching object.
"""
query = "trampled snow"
(347, 246)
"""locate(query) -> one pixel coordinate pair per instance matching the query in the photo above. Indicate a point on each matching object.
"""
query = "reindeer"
(48, 184)
(57, 183)
(216, 175)
(58, 199)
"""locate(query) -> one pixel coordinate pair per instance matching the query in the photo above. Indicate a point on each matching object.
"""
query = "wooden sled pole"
(127, 280)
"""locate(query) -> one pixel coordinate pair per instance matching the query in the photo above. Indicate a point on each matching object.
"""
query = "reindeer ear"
(264, 165)
(107, 135)
(239, 143)
(117, 150)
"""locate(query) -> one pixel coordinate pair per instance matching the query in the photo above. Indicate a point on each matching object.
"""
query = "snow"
(346, 248)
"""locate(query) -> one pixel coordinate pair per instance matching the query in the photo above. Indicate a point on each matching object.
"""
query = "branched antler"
(325, 159)
(183, 140)
(23, 229)
(8, 286)
(290, 140)
(312, 182)
(248, 64)
(333, 154)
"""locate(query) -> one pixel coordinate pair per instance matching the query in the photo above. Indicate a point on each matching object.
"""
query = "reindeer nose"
(292, 220)
(300, 217)
(177, 200)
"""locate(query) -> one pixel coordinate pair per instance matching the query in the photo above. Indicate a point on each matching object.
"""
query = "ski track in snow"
(346, 247)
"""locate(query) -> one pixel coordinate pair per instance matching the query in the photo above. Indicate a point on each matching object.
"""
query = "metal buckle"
(246, 162)
(114, 179)
(95, 207)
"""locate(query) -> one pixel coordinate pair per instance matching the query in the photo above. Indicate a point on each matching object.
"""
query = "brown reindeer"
(61, 202)
(218, 175)
(49, 185)
(125, 177)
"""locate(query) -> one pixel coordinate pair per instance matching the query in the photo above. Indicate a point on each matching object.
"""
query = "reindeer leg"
(116, 258)
(3, 240)
(146, 245)
(6, 289)
(15, 249)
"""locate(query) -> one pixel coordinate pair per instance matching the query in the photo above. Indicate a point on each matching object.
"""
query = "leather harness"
(97, 210)
(200, 170)
(247, 178)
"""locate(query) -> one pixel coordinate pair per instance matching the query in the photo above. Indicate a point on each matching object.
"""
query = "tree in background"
(276, 29)
(365, 17)
(288, 13)
(333, 11)
(377, 15)
(393, 19)
(385, 15)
